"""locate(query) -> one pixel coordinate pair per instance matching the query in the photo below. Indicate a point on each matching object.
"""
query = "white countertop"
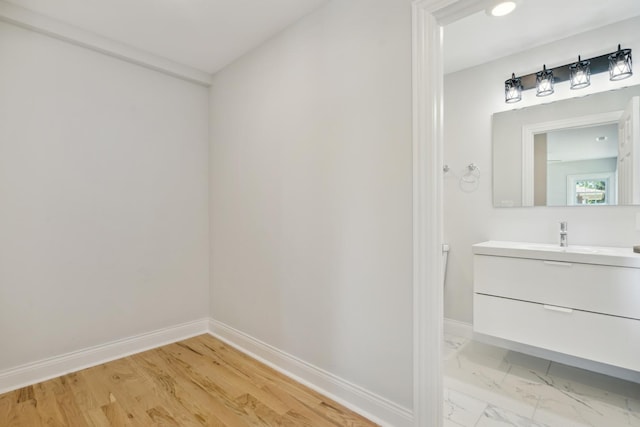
(621, 257)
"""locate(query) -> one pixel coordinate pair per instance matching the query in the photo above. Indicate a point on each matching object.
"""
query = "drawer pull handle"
(558, 264)
(559, 309)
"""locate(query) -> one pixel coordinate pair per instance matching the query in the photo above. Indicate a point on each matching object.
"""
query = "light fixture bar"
(599, 64)
(619, 65)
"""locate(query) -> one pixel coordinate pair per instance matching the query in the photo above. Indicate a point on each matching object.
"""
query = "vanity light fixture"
(618, 64)
(513, 89)
(580, 74)
(544, 82)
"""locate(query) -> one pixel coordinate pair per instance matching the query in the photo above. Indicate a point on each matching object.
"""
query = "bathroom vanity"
(578, 300)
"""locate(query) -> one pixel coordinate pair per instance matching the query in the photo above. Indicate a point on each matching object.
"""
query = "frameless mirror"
(575, 152)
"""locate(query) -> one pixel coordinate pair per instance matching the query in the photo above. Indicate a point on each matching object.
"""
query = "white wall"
(311, 194)
(471, 97)
(104, 190)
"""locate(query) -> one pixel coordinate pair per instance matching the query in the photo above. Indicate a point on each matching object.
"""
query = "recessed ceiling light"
(501, 7)
(601, 138)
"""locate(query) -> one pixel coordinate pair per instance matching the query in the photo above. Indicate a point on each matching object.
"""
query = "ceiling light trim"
(53, 28)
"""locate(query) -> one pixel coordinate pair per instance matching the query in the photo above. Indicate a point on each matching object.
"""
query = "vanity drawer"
(589, 287)
(602, 338)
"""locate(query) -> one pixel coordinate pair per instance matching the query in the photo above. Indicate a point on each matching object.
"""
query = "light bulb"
(503, 8)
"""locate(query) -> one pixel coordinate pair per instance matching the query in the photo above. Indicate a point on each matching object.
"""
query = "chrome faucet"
(564, 238)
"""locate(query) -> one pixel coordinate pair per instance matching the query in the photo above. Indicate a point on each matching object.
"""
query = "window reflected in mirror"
(576, 166)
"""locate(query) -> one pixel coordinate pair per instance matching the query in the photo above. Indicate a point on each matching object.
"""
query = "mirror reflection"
(576, 166)
(575, 152)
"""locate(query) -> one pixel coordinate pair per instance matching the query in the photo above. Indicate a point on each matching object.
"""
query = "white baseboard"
(352, 396)
(53, 367)
(458, 328)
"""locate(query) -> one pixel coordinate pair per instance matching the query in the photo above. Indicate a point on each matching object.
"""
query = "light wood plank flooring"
(197, 382)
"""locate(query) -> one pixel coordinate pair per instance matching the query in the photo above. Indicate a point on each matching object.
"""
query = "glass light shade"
(544, 82)
(512, 90)
(580, 74)
(620, 64)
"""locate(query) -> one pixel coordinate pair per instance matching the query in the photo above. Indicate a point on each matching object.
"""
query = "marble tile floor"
(487, 386)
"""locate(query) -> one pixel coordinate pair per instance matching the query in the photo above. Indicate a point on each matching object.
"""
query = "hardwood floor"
(197, 382)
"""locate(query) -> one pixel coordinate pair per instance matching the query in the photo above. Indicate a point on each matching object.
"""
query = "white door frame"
(428, 18)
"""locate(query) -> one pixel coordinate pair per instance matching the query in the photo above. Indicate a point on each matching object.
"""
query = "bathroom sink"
(571, 249)
(624, 257)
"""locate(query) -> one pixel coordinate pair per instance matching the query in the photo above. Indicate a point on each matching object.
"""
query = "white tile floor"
(487, 386)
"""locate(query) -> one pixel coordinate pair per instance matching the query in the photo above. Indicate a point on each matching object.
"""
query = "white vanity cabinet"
(580, 301)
